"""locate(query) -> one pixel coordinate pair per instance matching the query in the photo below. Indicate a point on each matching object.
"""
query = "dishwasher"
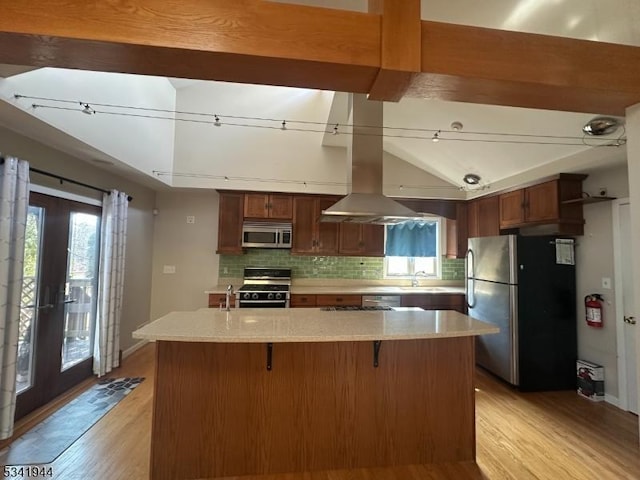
(381, 301)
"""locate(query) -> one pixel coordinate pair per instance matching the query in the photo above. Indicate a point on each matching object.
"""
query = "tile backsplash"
(369, 268)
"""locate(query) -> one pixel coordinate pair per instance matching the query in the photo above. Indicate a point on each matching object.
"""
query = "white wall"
(189, 247)
(594, 260)
(274, 156)
(137, 282)
(142, 143)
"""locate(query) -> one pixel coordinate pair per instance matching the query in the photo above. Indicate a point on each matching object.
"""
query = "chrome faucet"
(414, 280)
(228, 297)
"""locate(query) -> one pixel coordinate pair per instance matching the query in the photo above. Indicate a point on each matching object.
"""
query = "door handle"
(73, 300)
(46, 301)
(630, 320)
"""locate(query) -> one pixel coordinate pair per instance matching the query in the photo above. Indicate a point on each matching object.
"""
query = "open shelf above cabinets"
(586, 199)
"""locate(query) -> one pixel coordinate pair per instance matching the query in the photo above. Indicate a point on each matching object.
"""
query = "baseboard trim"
(134, 347)
(612, 400)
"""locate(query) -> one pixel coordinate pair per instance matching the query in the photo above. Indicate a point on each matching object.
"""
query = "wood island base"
(218, 410)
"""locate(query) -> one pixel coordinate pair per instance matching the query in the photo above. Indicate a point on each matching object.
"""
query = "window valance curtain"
(412, 239)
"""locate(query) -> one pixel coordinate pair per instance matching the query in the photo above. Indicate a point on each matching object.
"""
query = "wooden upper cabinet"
(230, 210)
(268, 205)
(538, 203)
(304, 229)
(361, 239)
(541, 202)
(488, 216)
(512, 208)
(327, 232)
(542, 205)
(310, 236)
(457, 232)
(472, 219)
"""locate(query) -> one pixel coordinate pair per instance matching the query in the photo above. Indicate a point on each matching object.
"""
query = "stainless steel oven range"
(264, 288)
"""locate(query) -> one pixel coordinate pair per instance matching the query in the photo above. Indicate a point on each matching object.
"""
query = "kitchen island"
(258, 391)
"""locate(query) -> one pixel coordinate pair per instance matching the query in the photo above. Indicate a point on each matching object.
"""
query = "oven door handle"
(262, 301)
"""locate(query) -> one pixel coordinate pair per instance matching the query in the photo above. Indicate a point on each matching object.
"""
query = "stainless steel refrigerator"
(517, 284)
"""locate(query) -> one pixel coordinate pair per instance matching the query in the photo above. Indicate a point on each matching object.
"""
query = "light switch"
(169, 269)
(606, 283)
(191, 219)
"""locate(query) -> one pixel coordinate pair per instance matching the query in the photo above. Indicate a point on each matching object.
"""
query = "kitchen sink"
(421, 289)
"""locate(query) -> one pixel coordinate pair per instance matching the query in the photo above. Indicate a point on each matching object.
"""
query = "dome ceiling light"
(601, 126)
(471, 179)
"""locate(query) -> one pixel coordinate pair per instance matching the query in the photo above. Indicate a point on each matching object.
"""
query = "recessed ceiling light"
(471, 179)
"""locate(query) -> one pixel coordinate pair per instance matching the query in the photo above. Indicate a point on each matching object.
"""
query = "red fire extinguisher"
(593, 308)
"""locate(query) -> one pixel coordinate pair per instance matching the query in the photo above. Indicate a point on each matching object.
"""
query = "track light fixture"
(86, 108)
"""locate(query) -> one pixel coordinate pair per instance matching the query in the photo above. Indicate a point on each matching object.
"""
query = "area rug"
(47, 440)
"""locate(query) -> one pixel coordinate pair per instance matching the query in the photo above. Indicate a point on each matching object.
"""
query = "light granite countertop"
(373, 290)
(278, 325)
(360, 290)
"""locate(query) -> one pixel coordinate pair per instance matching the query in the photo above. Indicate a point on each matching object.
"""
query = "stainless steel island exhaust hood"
(365, 202)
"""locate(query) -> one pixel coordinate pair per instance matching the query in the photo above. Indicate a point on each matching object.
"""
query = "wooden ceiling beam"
(255, 41)
(481, 65)
(400, 45)
(247, 41)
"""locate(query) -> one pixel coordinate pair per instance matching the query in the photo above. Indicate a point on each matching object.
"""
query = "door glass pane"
(80, 288)
(28, 302)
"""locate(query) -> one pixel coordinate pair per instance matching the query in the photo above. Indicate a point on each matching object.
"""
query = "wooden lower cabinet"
(299, 300)
(338, 300)
(302, 301)
(429, 301)
(217, 299)
(219, 412)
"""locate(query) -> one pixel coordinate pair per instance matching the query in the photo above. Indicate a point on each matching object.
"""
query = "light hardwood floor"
(519, 436)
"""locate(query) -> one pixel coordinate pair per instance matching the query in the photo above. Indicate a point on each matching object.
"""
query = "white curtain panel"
(113, 238)
(14, 204)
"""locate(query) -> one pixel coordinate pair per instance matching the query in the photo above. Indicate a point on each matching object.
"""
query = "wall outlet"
(191, 219)
(225, 270)
(606, 283)
(168, 269)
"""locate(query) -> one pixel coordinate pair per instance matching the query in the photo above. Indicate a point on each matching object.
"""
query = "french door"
(59, 298)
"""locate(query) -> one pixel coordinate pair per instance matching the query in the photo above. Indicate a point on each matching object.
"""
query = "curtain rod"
(68, 180)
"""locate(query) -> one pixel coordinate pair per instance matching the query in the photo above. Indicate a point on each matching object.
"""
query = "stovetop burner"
(252, 287)
(356, 308)
(264, 288)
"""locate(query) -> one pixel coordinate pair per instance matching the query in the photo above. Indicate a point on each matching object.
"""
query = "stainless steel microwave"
(266, 235)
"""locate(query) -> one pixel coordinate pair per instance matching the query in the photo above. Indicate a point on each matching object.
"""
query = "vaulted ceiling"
(503, 145)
